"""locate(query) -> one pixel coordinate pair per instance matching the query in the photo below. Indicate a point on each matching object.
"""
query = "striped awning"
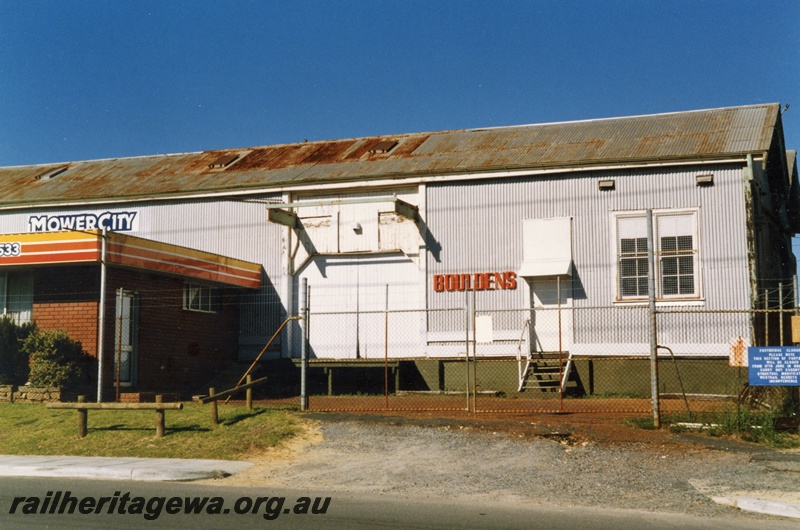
(50, 248)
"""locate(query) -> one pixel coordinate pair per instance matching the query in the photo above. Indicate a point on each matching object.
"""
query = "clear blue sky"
(85, 80)
(100, 79)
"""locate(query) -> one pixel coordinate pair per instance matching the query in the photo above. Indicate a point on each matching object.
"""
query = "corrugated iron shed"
(715, 133)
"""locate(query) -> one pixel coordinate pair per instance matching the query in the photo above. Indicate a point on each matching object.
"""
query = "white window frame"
(660, 255)
(207, 299)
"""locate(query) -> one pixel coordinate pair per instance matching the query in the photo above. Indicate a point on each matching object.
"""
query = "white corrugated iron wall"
(477, 226)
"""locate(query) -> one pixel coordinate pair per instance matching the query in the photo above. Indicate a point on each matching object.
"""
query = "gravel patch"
(456, 463)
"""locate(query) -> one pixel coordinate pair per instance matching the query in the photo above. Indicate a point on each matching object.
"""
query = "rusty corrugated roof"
(711, 133)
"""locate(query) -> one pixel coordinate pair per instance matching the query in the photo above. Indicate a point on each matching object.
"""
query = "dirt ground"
(569, 429)
(601, 422)
(585, 459)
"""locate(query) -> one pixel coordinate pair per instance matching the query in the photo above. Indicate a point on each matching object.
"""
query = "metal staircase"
(544, 371)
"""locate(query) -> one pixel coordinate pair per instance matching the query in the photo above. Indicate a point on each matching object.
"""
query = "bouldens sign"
(112, 221)
(478, 281)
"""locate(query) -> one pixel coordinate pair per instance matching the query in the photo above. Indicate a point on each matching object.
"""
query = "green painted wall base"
(596, 377)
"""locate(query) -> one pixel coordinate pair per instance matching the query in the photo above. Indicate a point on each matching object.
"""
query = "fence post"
(466, 344)
(249, 393)
(118, 346)
(560, 346)
(474, 352)
(766, 317)
(780, 315)
(651, 295)
(386, 349)
(159, 418)
(214, 412)
(83, 417)
(101, 322)
(303, 343)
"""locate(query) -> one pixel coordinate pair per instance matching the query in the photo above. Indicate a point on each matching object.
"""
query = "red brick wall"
(179, 351)
(67, 298)
(78, 319)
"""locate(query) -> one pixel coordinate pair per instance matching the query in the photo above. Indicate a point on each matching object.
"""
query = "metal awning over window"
(50, 248)
(546, 247)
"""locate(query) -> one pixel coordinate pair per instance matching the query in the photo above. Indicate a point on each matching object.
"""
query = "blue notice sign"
(774, 365)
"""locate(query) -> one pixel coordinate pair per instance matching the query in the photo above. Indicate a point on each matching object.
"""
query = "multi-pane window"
(633, 266)
(16, 296)
(197, 297)
(674, 235)
(677, 252)
(677, 265)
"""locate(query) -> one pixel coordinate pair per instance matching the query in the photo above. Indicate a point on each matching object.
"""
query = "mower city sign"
(112, 221)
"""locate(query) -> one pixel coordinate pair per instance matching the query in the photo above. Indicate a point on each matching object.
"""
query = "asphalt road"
(27, 503)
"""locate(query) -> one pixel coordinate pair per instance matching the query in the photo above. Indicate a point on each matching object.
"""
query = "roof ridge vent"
(223, 161)
(51, 173)
(384, 146)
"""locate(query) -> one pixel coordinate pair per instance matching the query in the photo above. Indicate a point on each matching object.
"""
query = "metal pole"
(118, 349)
(560, 357)
(386, 348)
(474, 352)
(651, 296)
(303, 344)
(780, 315)
(766, 317)
(101, 321)
(466, 344)
(796, 391)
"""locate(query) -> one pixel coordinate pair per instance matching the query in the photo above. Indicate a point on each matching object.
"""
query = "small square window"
(202, 298)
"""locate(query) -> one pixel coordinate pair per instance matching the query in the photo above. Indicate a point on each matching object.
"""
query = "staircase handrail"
(520, 371)
(565, 375)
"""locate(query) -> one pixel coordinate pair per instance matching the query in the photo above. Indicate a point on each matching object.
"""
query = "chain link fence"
(568, 359)
(474, 358)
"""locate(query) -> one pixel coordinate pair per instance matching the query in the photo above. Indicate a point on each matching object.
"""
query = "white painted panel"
(348, 298)
(359, 227)
(396, 232)
(546, 247)
(318, 233)
(483, 329)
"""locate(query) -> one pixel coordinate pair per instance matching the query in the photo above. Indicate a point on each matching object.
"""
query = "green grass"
(31, 429)
(745, 424)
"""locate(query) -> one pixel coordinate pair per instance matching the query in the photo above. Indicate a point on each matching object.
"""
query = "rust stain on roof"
(681, 135)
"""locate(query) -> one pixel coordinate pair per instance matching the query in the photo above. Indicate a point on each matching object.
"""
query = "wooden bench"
(328, 366)
(83, 409)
